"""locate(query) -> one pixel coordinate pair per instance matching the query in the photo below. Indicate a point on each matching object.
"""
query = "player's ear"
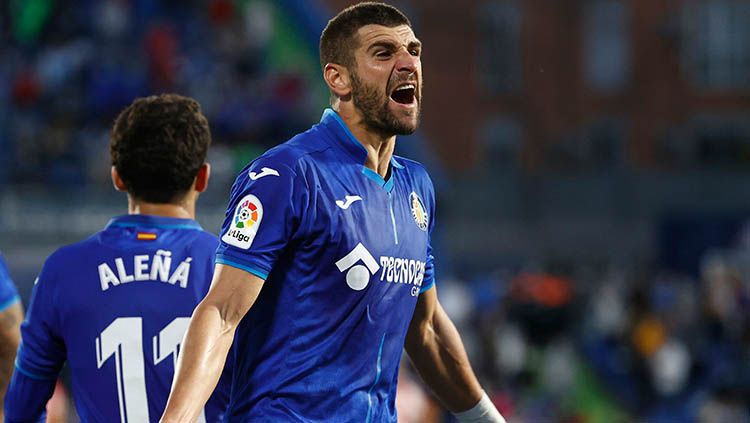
(338, 80)
(201, 179)
(117, 181)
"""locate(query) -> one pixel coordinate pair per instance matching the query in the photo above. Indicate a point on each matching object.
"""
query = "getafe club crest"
(418, 211)
(244, 226)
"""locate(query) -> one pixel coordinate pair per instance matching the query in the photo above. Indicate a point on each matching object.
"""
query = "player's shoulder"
(292, 153)
(416, 170)
(68, 258)
(205, 240)
(68, 255)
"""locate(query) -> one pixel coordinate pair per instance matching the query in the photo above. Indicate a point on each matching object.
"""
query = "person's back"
(116, 305)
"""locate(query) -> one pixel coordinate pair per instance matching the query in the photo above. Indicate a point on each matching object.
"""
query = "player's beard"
(374, 107)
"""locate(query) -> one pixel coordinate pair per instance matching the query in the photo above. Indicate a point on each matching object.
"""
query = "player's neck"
(379, 146)
(185, 210)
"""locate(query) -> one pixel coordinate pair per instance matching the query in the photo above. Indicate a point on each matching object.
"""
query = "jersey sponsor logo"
(395, 270)
(245, 222)
(403, 271)
(358, 275)
(265, 171)
(348, 201)
(418, 211)
(156, 268)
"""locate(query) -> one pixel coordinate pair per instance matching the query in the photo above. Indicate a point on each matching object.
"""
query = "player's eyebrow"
(391, 46)
(388, 45)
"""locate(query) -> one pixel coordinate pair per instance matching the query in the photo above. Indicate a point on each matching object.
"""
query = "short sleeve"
(42, 352)
(8, 292)
(429, 269)
(264, 214)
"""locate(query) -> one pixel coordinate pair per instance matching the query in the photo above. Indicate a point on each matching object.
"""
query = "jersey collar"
(151, 221)
(348, 142)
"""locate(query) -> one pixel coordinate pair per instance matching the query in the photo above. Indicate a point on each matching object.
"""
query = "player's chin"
(405, 126)
(407, 118)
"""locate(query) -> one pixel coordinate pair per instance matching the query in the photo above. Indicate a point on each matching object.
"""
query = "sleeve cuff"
(227, 261)
(4, 305)
(33, 375)
(427, 287)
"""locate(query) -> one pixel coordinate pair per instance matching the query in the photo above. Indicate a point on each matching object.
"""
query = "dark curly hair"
(158, 144)
(337, 42)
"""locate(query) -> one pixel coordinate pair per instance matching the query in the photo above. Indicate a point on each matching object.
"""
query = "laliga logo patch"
(244, 226)
(418, 211)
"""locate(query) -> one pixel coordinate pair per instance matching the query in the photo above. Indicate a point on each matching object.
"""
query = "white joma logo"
(349, 200)
(266, 171)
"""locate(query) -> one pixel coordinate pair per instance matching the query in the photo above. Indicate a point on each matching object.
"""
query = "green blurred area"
(28, 18)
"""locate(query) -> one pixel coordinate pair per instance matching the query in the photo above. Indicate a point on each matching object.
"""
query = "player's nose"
(407, 62)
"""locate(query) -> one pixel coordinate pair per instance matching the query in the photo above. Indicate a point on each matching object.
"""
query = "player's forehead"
(372, 34)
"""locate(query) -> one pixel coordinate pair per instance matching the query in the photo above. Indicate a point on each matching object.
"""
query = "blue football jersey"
(8, 292)
(115, 307)
(345, 255)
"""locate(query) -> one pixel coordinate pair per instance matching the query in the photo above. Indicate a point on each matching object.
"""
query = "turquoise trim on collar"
(149, 221)
(353, 146)
(375, 177)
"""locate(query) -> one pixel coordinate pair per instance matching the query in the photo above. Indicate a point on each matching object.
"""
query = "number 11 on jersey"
(123, 340)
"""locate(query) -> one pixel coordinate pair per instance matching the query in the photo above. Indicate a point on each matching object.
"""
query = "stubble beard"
(376, 114)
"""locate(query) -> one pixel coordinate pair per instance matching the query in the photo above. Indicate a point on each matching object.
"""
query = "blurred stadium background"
(591, 159)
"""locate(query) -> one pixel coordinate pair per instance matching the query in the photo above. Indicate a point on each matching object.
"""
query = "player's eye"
(383, 54)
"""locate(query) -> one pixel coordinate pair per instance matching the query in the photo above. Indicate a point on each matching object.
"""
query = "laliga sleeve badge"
(245, 222)
(418, 211)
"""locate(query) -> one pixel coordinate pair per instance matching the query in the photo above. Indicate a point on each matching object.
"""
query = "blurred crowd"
(69, 67)
(612, 343)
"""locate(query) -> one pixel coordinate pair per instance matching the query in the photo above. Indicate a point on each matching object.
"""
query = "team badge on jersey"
(418, 211)
(244, 226)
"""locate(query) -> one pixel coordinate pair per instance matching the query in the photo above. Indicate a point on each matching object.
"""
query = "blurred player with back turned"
(324, 269)
(116, 305)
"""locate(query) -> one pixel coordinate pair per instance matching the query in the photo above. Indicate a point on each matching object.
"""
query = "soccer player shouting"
(324, 270)
(116, 305)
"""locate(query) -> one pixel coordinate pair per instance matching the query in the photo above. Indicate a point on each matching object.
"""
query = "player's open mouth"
(404, 94)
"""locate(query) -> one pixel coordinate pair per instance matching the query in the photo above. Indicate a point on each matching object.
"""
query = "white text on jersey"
(157, 268)
(401, 270)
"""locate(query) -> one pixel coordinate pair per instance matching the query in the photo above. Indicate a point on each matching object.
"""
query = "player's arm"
(10, 338)
(40, 356)
(436, 351)
(208, 339)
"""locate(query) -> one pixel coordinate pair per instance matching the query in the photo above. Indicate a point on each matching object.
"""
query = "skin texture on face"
(385, 60)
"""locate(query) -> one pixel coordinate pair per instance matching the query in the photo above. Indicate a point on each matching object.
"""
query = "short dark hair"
(336, 40)
(158, 144)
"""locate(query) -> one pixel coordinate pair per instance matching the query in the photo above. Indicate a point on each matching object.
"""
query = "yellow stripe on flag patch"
(145, 236)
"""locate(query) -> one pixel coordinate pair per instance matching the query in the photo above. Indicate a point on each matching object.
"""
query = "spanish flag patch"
(146, 236)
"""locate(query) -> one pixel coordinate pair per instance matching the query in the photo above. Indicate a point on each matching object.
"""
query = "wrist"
(483, 412)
